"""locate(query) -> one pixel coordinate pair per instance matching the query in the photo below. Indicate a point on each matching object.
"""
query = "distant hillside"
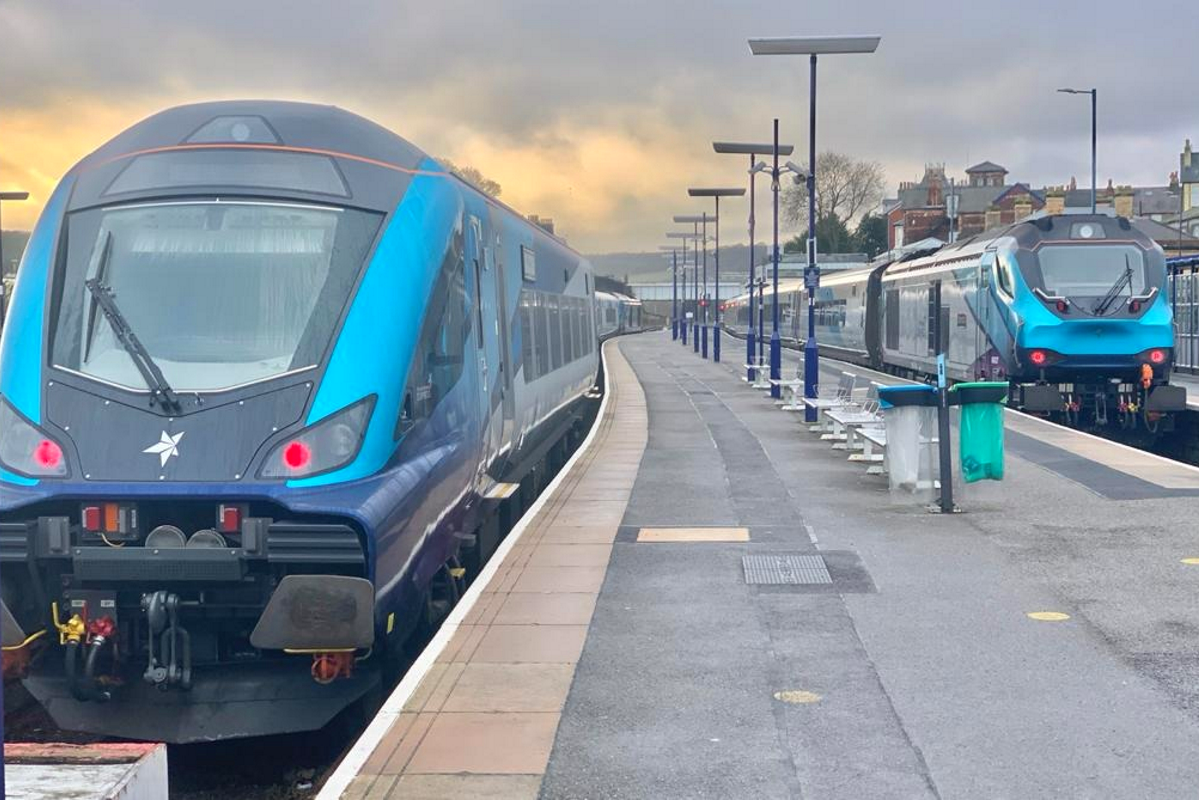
(653, 266)
(13, 244)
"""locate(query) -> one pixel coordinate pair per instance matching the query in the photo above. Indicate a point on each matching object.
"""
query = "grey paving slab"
(922, 676)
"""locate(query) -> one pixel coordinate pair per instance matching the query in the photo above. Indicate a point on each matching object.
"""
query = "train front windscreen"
(219, 293)
(1099, 279)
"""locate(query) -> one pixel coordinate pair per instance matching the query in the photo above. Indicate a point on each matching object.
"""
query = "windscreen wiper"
(160, 391)
(1125, 280)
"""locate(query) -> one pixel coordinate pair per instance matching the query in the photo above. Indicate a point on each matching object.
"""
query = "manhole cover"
(793, 570)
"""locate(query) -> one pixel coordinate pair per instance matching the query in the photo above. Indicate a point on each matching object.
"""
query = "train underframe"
(118, 638)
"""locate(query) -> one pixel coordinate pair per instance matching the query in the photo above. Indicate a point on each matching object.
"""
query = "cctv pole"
(811, 353)
(776, 344)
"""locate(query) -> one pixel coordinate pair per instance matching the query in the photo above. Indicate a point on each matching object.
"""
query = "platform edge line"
(351, 766)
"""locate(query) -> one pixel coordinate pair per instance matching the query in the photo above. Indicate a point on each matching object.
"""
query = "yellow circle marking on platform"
(797, 696)
(1048, 616)
(1191, 561)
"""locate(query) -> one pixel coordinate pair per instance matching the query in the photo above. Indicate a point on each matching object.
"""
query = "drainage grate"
(793, 570)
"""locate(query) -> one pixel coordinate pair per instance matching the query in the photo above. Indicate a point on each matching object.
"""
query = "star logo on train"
(165, 447)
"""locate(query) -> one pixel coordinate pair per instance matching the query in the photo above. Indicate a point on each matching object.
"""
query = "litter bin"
(980, 439)
(910, 416)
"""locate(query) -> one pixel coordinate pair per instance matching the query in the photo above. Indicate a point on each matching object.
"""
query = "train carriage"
(264, 367)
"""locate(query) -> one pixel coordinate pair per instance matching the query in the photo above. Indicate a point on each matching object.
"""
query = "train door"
(496, 276)
(991, 338)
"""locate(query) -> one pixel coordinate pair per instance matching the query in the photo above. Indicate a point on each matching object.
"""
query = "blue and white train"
(267, 375)
(1071, 310)
(618, 314)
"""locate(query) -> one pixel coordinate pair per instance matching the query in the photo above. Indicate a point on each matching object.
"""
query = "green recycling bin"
(980, 439)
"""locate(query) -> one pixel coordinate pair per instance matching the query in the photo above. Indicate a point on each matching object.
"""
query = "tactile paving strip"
(785, 569)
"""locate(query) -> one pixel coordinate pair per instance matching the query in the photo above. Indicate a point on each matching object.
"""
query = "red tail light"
(296, 455)
(228, 518)
(1157, 356)
(1037, 357)
(47, 454)
(91, 518)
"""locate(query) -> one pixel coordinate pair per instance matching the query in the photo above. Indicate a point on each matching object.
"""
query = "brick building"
(985, 200)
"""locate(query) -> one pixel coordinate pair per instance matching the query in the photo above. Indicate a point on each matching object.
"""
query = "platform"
(109, 771)
(632, 638)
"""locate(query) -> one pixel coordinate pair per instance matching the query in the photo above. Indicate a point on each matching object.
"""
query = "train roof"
(372, 165)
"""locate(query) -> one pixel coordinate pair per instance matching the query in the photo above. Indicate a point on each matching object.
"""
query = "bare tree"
(473, 176)
(845, 188)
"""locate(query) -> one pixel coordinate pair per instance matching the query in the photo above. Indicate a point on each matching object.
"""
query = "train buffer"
(709, 601)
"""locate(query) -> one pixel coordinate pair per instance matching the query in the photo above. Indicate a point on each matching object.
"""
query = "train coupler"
(174, 642)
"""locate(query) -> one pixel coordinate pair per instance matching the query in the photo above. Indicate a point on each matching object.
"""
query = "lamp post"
(697, 220)
(673, 252)
(5, 196)
(717, 194)
(811, 46)
(1094, 93)
(752, 150)
(685, 237)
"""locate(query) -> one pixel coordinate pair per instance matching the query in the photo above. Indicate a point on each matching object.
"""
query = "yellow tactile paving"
(693, 535)
(482, 721)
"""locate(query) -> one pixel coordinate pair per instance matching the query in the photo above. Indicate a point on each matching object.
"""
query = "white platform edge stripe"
(351, 766)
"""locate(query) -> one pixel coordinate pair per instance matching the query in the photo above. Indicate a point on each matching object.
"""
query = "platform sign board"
(811, 278)
(940, 370)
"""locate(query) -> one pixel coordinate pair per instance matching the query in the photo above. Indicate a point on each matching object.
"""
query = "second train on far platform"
(1069, 309)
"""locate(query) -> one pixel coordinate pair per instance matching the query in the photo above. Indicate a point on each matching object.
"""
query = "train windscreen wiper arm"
(160, 391)
(1124, 280)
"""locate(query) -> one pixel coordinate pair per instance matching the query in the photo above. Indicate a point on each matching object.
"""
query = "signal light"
(47, 454)
(296, 455)
(1157, 356)
(1062, 306)
(1037, 357)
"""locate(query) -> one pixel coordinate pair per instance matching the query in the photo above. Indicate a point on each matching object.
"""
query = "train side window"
(528, 334)
(528, 264)
(438, 359)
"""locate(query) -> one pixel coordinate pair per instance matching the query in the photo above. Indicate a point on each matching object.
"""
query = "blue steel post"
(751, 374)
(761, 317)
(716, 299)
(776, 344)
(695, 281)
(811, 353)
(674, 294)
(703, 347)
(683, 323)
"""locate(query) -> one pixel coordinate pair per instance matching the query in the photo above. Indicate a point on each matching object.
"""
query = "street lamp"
(752, 150)
(685, 237)
(674, 288)
(4, 196)
(776, 342)
(811, 46)
(697, 220)
(1094, 93)
(717, 194)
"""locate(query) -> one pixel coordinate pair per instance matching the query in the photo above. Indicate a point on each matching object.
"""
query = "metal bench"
(873, 437)
(847, 418)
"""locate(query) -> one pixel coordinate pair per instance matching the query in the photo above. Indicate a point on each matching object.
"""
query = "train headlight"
(323, 446)
(26, 449)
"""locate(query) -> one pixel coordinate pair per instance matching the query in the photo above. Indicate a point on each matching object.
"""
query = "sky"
(601, 114)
